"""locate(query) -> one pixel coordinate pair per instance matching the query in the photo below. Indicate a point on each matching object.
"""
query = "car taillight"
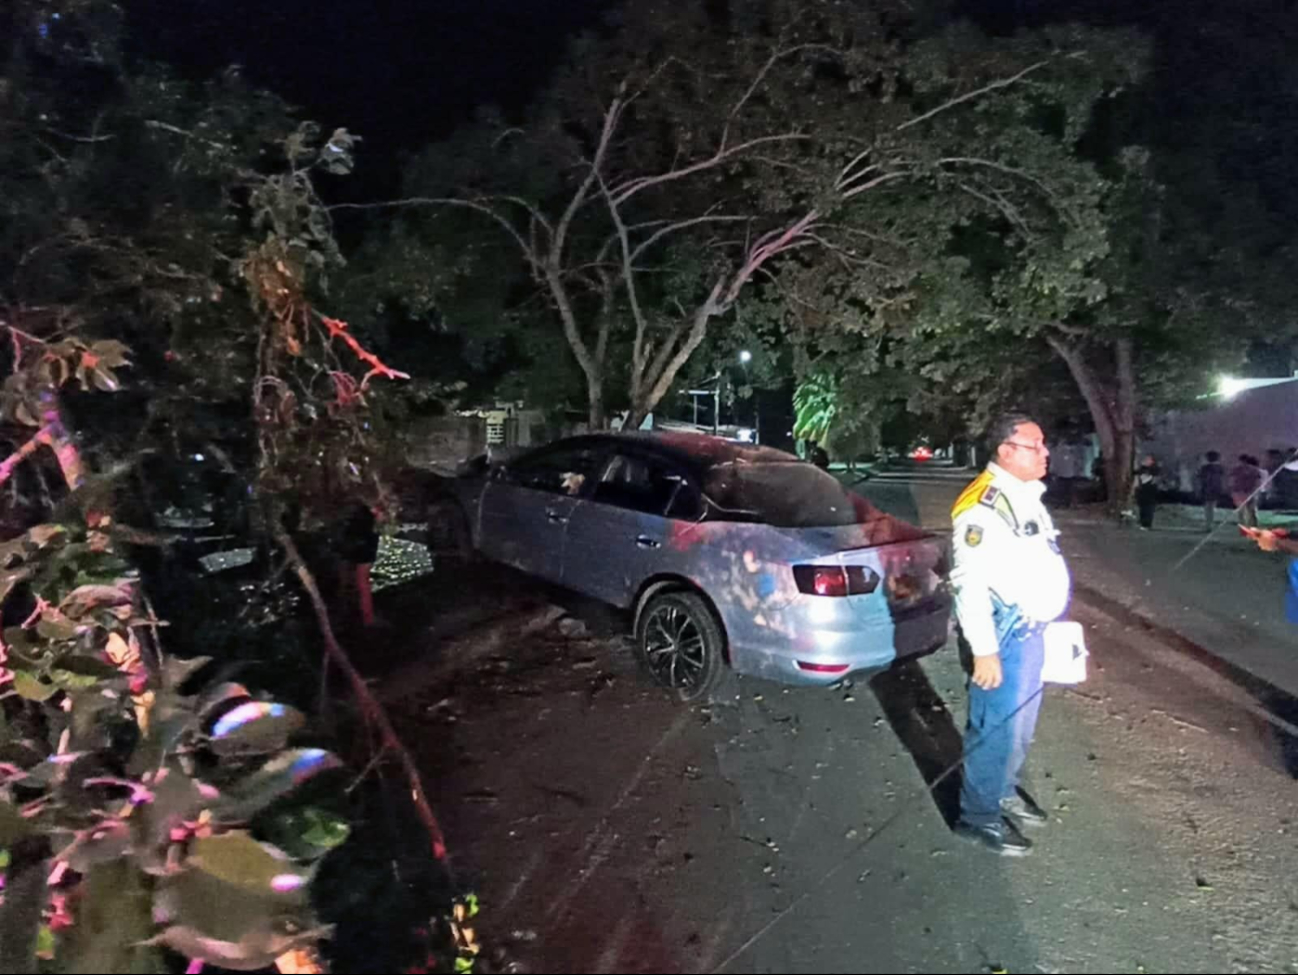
(807, 667)
(833, 580)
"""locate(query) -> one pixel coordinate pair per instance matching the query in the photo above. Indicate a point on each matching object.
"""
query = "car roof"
(699, 451)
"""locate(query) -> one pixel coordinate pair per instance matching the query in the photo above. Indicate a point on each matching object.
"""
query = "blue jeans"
(1002, 724)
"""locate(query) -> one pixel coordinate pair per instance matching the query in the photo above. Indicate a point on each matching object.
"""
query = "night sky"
(403, 72)
(397, 72)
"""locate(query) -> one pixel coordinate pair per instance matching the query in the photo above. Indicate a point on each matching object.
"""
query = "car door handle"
(644, 541)
(556, 518)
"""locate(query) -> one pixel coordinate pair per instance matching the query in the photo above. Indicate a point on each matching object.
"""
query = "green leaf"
(93, 714)
(256, 728)
(21, 641)
(235, 903)
(324, 829)
(308, 834)
(176, 672)
(10, 578)
(176, 799)
(57, 629)
(239, 860)
(45, 942)
(111, 843)
(219, 695)
(20, 919)
(112, 353)
(13, 827)
(44, 536)
(85, 599)
(114, 922)
(84, 665)
(69, 681)
(172, 719)
(32, 688)
(106, 380)
(274, 780)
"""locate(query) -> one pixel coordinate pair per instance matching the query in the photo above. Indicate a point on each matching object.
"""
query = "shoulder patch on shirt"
(971, 495)
(973, 536)
(999, 502)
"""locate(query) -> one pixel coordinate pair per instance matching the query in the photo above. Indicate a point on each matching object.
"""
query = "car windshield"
(797, 495)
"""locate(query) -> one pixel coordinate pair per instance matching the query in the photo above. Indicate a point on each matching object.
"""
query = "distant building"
(1249, 416)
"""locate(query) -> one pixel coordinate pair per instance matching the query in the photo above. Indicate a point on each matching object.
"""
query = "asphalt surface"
(776, 830)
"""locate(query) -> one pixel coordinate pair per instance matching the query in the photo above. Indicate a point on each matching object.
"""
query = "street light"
(746, 357)
(1229, 387)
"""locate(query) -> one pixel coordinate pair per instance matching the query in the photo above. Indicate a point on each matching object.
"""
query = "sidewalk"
(1228, 598)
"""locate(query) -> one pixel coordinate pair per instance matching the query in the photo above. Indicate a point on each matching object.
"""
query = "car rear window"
(798, 495)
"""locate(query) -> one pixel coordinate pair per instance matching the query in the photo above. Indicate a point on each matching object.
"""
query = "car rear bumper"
(820, 652)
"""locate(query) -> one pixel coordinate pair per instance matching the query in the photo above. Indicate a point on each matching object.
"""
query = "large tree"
(685, 156)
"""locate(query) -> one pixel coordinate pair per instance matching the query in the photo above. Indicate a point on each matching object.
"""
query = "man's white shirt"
(1005, 542)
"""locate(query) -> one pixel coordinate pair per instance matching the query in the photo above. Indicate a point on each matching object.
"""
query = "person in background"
(1246, 480)
(1146, 491)
(1212, 487)
(1066, 467)
(818, 455)
(1100, 476)
(1283, 542)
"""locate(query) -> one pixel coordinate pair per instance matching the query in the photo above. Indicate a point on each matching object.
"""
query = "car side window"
(647, 485)
(565, 472)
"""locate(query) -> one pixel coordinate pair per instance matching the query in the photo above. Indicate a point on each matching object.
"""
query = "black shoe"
(1003, 838)
(1023, 811)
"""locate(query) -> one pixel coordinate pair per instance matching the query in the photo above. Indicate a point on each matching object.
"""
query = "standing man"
(1246, 481)
(1212, 487)
(1010, 581)
(1145, 491)
(1065, 471)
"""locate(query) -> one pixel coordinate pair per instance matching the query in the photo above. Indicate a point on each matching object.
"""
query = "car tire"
(448, 535)
(681, 645)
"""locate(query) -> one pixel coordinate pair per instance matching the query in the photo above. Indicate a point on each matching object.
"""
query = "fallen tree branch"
(370, 706)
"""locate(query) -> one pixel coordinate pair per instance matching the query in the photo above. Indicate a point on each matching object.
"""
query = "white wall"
(1252, 422)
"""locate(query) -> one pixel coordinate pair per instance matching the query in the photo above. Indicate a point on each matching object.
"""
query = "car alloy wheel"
(681, 644)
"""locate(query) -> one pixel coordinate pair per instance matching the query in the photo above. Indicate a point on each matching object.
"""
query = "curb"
(1279, 705)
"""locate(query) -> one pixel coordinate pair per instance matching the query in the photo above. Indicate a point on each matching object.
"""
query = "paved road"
(609, 830)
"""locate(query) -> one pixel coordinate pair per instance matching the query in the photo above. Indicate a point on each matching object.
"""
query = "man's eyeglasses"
(1036, 448)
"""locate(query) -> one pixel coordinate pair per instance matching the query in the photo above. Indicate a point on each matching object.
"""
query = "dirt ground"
(609, 830)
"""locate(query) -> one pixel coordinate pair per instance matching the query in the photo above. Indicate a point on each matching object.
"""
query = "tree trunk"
(1124, 419)
(592, 365)
(595, 391)
(648, 392)
(1113, 411)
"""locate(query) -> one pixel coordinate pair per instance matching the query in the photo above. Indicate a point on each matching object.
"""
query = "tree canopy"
(685, 160)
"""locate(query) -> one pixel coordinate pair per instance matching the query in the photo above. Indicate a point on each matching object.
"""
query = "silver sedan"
(727, 555)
